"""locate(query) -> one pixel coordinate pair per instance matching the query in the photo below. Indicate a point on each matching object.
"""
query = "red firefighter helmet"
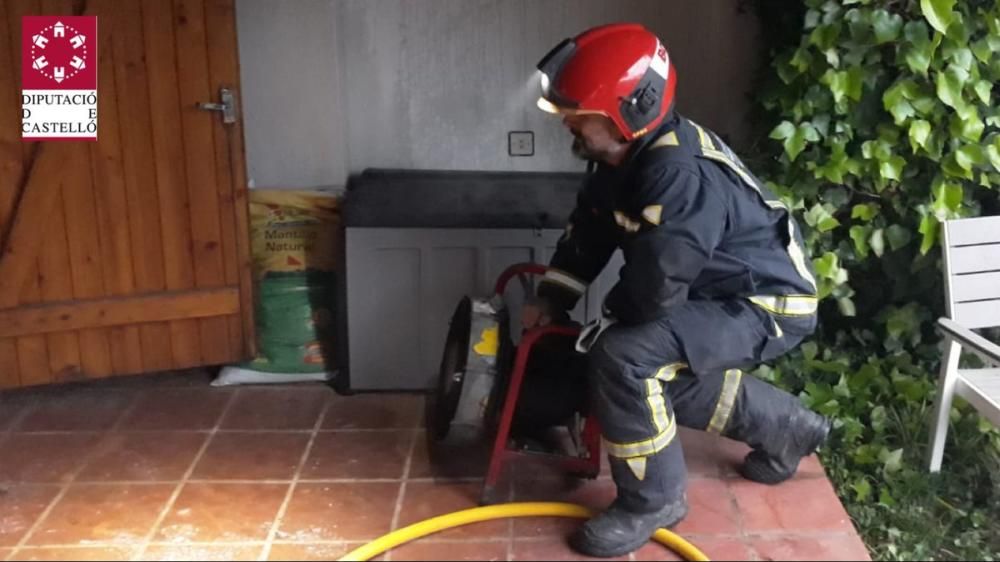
(619, 70)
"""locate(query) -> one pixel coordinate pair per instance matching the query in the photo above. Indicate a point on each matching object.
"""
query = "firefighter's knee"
(607, 357)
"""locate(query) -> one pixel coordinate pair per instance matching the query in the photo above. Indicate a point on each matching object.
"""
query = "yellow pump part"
(476, 515)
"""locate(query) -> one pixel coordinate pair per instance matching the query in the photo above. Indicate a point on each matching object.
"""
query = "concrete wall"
(331, 87)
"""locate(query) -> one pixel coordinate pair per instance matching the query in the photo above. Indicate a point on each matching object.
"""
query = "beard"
(582, 151)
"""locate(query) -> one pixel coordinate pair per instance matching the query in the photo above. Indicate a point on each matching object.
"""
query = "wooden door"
(129, 254)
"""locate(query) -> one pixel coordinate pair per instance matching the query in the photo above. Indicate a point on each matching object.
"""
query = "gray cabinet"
(404, 283)
(417, 241)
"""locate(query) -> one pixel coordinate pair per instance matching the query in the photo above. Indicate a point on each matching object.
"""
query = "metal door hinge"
(227, 107)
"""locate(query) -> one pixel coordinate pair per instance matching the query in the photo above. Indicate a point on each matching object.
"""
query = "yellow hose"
(419, 530)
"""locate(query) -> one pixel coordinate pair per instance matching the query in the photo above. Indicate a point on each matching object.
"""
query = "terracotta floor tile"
(834, 547)
(811, 467)
(194, 552)
(365, 455)
(223, 513)
(794, 506)
(76, 553)
(277, 408)
(76, 411)
(432, 460)
(715, 548)
(549, 550)
(596, 495)
(424, 501)
(712, 509)
(657, 551)
(375, 411)
(531, 469)
(11, 409)
(20, 506)
(106, 514)
(704, 453)
(309, 552)
(142, 457)
(44, 457)
(423, 550)
(5, 552)
(178, 408)
(339, 512)
(252, 456)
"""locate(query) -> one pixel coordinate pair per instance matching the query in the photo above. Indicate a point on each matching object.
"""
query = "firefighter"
(715, 280)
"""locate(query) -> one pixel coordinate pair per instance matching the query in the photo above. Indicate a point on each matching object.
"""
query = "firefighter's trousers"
(686, 369)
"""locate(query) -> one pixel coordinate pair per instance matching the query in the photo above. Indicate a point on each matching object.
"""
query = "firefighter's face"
(595, 137)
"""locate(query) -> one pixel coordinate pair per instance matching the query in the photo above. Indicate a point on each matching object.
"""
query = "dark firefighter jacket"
(692, 223)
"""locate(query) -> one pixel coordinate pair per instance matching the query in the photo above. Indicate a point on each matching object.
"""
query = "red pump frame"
(501, 456)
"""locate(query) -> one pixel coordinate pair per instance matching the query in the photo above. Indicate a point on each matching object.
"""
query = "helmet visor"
(550, 66)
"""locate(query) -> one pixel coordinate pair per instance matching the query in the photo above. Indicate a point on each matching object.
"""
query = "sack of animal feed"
(294, 239)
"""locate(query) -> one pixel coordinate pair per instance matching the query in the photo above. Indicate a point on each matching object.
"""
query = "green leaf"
(837, 197)
(877, 242)
(984, 89)
(993, 153)
(822, 124)
(970, 155)
(825, 36)
(954, 168)
(967, 124)
(860, 235)
(886, 499)
(895, 102)
(929, 230)
(846, 306)
(963, 58)
(982, 50)
(810, 350)
(844, 85)
(879, 419)
(948, 195)
(898, 237)
(832, 57)
(801, 60)
(812, 19)
(903, 322)
(866, 454)
(925, 103)
(828, 224)
(865, 212)
(799, 138)
(920, 131)
(815, 215)
(918, 49)
(938, 13)
(862, 489)
(949, 86)
(827, 266)
(783, 131)
(958, 31)
(892, 169)
(887, 26)
(893, 462)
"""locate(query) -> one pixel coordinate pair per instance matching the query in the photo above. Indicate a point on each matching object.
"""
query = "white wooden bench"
(972, 289)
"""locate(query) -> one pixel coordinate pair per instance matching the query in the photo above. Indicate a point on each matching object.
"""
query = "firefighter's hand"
(535, 313)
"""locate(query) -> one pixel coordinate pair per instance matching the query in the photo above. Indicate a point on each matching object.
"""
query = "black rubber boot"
(618, 531)
(780, 459)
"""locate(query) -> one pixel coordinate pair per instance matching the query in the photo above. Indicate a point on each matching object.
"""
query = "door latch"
(227, 107)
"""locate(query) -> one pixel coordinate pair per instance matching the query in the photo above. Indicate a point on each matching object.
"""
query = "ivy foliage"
(884, 122)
